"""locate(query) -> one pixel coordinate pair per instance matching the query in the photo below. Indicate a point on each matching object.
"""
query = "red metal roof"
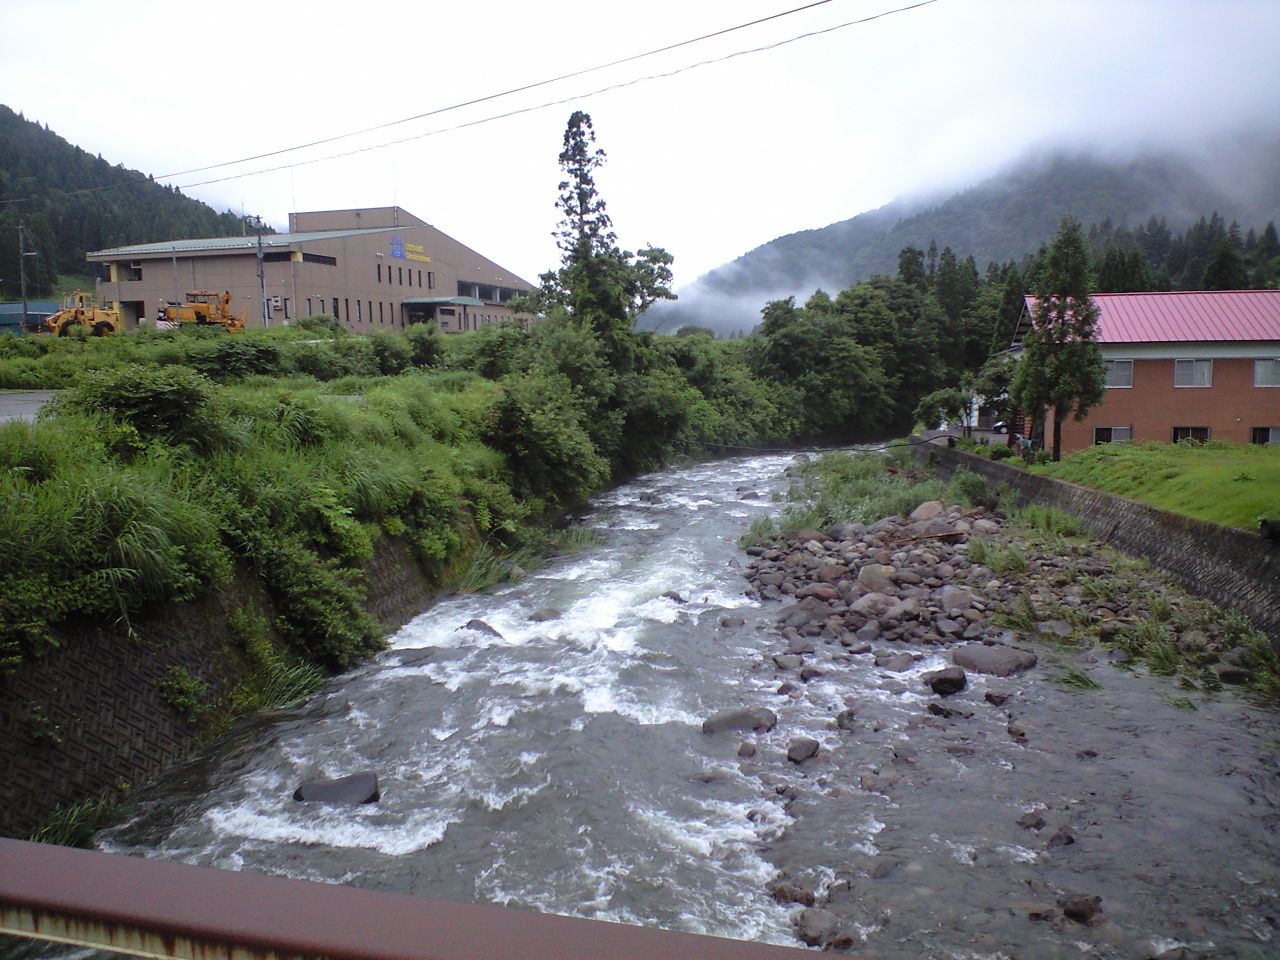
(1187, 316)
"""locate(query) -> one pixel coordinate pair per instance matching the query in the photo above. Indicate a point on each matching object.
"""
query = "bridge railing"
(154, 908)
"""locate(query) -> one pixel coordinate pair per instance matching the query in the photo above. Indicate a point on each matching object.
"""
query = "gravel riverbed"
(992, 743)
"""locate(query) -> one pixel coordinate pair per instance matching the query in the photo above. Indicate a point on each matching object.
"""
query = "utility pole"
(262, 273)
(22, 269)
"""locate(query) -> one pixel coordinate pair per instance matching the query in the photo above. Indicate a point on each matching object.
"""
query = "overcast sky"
(708, 162)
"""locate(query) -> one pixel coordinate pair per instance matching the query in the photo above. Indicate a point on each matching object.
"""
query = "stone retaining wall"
(1236, 569)
(88, 719)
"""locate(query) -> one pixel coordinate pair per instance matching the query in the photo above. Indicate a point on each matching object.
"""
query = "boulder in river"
(479, 626)
(759, 719)
(946, 681)
(356, 788)
(999, 661)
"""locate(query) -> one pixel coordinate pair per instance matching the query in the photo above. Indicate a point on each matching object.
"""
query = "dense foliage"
(71, 202)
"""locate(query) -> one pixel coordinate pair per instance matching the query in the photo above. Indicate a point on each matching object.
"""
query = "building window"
(359, 313)
(431, 280)
(379, 273)
(1270, 435)
(1193, 373)
(347, 304)
(335, 308)
(319, 258)
(400, 274)
(1266, 373)
(1195, 434)
(419, 278)
(287, 313)
(309, 313)
(135, 271)
(370, 303)
(1112, 434)
(1119, 373)
(380, 311)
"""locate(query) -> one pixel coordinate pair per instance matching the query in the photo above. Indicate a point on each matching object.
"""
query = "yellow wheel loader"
(79, 310)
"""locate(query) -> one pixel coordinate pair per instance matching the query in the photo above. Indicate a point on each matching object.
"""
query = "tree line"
(70, 202)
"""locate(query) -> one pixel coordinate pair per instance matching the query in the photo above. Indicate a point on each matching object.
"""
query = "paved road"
(22, 404)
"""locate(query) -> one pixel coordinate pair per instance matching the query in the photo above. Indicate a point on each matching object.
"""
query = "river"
(540, 746)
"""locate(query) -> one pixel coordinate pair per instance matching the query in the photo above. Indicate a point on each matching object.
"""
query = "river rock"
(545, 614)
(821, 928)
(998, 661)
(1081, 909)
(759, 719)
(802, 748)
(946, 681)
(356, 788)
(926, 511)
(479, 626)
(877, 578)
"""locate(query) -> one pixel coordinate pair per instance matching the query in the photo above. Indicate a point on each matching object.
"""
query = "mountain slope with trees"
(1006, 218)
(71, 201)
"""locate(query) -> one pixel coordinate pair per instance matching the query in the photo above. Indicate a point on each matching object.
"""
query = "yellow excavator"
(80, 310)
(202, 307)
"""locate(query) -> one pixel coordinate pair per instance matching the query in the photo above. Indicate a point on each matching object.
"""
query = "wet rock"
(545, 614)
(999, 661)
(1062, 837)
(946, 681)
(412, 658)
(673, 596)
(1031, 821)
(356, 788)
(884, 867)
(1085, 910)
(895, 662)
(746, 749)
(1055, 628)
(997, 698)
(847, 719)
(821, 928)
(759, 719)
(810, 673)
(1231, 673)
(948, 713)
(787, 892)
(788, 661)
(479, 626)
(802, 748)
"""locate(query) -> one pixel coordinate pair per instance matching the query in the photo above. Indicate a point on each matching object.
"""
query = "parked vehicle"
(202, 307)
(80, 310)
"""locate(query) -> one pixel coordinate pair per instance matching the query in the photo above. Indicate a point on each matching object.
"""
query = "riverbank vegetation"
(1215, 481)
(1082, 598)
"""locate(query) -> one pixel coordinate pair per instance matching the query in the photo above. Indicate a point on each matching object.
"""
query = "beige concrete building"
(374, 269)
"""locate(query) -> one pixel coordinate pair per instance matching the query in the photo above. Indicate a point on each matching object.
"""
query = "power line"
(504, 93)
(511, 113)
(570, 99)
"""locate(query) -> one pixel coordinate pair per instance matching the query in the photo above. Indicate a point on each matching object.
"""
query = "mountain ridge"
(1005, 217)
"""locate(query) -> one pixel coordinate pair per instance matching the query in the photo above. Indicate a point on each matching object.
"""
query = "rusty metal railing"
(154, 908)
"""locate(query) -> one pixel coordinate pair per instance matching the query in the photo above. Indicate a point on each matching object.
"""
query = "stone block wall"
(1236, 569)
(88, 719)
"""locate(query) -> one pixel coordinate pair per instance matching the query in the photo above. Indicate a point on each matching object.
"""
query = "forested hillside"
(71, 201)
(1167, 205)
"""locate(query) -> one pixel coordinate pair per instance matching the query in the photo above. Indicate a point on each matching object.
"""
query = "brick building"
(1193, 365)
(373, 269)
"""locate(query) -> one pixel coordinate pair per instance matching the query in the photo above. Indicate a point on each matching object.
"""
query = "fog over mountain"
(1005, 217)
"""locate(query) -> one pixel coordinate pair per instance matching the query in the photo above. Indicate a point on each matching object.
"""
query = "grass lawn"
(1220, 482)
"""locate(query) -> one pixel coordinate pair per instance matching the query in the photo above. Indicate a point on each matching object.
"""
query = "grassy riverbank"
(1218, 482)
